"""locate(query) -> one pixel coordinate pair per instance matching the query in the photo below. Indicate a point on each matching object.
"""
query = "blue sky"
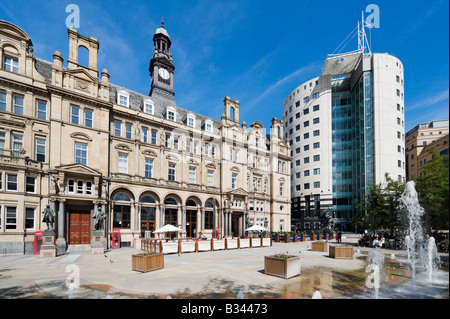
(255, 51)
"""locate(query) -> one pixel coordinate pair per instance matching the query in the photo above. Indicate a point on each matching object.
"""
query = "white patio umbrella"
(256, 227)
(167, 228)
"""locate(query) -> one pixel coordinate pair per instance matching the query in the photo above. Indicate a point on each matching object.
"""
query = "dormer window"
(190, 120)
(149, 107)
(208, 126)
(171, 113)
(123, 98)
(10, 64)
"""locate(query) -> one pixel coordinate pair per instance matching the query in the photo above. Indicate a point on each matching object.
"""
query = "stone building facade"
(71, 139)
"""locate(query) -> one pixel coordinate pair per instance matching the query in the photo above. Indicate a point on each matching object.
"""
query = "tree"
(433, 190)
(379, 207)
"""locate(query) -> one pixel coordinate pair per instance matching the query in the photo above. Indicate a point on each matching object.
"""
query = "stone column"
(225, 224)
(136, 216)
(61, 240)
(203, 218)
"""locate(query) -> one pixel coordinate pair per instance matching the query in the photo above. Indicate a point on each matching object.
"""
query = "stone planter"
(282, 266)
(341, 252)
(319, 246)
(147, 262)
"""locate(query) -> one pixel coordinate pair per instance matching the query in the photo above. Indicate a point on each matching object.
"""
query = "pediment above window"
(81, 136)
(123, 147)
(149, 153)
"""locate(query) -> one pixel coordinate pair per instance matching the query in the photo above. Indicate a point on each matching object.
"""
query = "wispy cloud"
(299, 73)
(429, 100)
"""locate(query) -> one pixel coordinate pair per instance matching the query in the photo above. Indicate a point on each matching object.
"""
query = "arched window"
(122, 197)
(83, 56)
(122, 211)
(148, 213)
(170, 201)
(209, 215)
(190, 202)
(147, 199)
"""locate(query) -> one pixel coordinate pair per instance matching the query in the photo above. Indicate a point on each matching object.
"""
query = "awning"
(341, 64)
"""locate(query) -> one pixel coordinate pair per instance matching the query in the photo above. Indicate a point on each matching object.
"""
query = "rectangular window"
(317, 171)
(148, 170)
(306, 173)
(41, 110)
(172, 172)
(281, 189)
(74, 114)
(192, 175)
(2, 142)
(11, 217)
(30, 185)
(306, 147)
(10, 64)
(123, 100)
(40, 150)
(316, 158)
(316, 108)
(29, 218)
(171, 115)
(80, 186)
(70, 185)
(17, 145)
(305, 136)
(195, 147)
(188, 145)
(88, 188)
(210, 178)
(88, 117)
(316, 184)
(81, 153)
(316, 120)
(190, 121)
(18, 104)
(144, 135)
(2, 101)
(11, 182)
(306, 186)
(306, 160)
(231, 153)
(316, 145)
(168, 137)
(122, 165)
(117, 128)
(316, 133)
(128, 130)
(315, 95)
(208, 127)
(213, 152)
(154, 133)
(148, 108)
(176, 139)
(234, 181)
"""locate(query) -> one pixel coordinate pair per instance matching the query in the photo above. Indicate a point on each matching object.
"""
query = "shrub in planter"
(287, 237)
(144, 262)
(312, 236)
(303, 236)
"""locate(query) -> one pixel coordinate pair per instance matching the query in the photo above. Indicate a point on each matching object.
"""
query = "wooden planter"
(277, 238)
(145, 263)
(287, 238)
(295, 238)
(312, 236)
(319, 246)
(282, 267)
(341, 252)
(303, 237)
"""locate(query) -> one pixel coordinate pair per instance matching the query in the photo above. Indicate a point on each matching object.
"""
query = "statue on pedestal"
(49, 217)
(98, 216)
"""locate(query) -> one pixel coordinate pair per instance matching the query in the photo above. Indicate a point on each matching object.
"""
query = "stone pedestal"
(48, 248)
(97, 243)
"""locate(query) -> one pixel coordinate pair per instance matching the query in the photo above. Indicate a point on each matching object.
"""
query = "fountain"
(433, 261)
(414, 239)
(376, 269)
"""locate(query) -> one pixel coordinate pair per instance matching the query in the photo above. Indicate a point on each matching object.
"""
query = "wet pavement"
(202, 275)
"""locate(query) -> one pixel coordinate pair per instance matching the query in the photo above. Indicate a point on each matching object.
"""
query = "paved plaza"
(217, 274)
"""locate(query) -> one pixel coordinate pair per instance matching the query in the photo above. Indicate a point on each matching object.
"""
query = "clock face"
(164, 74)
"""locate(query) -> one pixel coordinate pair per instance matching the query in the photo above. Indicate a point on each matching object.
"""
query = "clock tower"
(161, 66)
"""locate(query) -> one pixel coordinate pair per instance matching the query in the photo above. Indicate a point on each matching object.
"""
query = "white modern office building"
(346, 129)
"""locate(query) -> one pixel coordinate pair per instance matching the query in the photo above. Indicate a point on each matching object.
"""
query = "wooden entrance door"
(79, 228)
